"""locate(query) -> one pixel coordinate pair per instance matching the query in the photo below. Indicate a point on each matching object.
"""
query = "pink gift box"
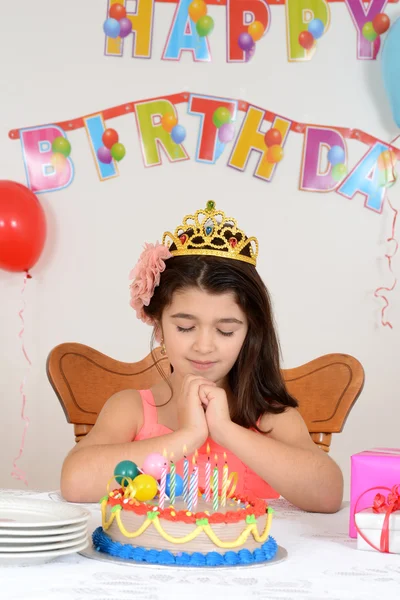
(371, 468)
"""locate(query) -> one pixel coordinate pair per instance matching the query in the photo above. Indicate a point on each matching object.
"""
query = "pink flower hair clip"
(146, 276)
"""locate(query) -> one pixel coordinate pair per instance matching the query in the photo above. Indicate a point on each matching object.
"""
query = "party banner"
(324, 165)
(247, 22)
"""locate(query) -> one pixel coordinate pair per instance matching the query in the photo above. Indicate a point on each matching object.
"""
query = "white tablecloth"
(322, 563)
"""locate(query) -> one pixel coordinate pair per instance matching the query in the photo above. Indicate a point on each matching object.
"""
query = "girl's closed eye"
(184, 330)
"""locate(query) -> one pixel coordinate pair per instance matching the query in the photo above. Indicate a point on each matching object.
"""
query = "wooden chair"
(83, 379)
(326, 389)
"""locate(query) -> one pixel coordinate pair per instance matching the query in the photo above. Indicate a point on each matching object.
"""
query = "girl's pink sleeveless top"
(248, 481)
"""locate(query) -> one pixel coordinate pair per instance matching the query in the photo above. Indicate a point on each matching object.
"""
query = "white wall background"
(321, 255)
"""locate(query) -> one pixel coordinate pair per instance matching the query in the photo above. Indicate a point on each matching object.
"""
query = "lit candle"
(224, 482)
(196, 455)
(215, 485)
(194, 486)
(163, 485)
(185, 476)
(208, 476)
(172, 481)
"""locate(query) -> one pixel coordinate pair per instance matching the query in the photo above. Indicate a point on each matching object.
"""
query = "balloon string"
(17, 473)
(20, 314)
(375, 47)
(389, 259)
(395, 140)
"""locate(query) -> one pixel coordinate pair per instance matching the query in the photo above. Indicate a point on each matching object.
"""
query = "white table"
(322, 563)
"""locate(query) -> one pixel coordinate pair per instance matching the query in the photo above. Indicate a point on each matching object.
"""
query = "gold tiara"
(210, 232)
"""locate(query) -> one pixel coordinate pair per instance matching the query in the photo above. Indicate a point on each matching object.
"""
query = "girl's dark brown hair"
(255, 379)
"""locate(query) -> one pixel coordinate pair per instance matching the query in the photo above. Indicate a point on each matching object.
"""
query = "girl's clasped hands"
(203, 409)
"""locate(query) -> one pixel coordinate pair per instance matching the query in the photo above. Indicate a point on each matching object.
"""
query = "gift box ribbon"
(382, 504)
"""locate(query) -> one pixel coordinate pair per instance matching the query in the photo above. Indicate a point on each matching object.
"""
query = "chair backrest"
(83, 379)
(326, 389)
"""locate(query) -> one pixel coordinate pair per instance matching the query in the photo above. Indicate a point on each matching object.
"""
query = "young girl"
(226, 396)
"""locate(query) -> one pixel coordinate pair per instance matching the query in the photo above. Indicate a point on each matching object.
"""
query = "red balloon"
(117, 11)
(273, 137)
(381, 23)
(22, 227)
(109, 138)
(306, 40)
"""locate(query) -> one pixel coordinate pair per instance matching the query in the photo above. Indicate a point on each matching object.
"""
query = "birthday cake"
(164, 519)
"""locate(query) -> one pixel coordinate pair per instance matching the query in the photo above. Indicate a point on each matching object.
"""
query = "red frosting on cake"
(257, 507)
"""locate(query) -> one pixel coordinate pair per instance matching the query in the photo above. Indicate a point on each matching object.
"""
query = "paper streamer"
(17, 473)
(389, 258)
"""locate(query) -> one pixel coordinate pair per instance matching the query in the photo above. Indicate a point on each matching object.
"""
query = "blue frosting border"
(103, 543)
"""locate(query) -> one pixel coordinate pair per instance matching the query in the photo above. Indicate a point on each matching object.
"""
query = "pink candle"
(163, 485)
(208, 476)
(196, 455)
(194, 487)
(224, 482)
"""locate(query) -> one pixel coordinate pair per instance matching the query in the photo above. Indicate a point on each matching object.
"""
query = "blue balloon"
(178, 485)
(316, 28)
(391, 69)
(336, 155)
(112, 28)
(178, 134)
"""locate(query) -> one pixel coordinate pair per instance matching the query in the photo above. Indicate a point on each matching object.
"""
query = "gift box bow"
(382, 504)
(390, 503)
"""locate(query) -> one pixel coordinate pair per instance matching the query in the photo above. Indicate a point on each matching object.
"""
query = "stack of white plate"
(37, 531)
